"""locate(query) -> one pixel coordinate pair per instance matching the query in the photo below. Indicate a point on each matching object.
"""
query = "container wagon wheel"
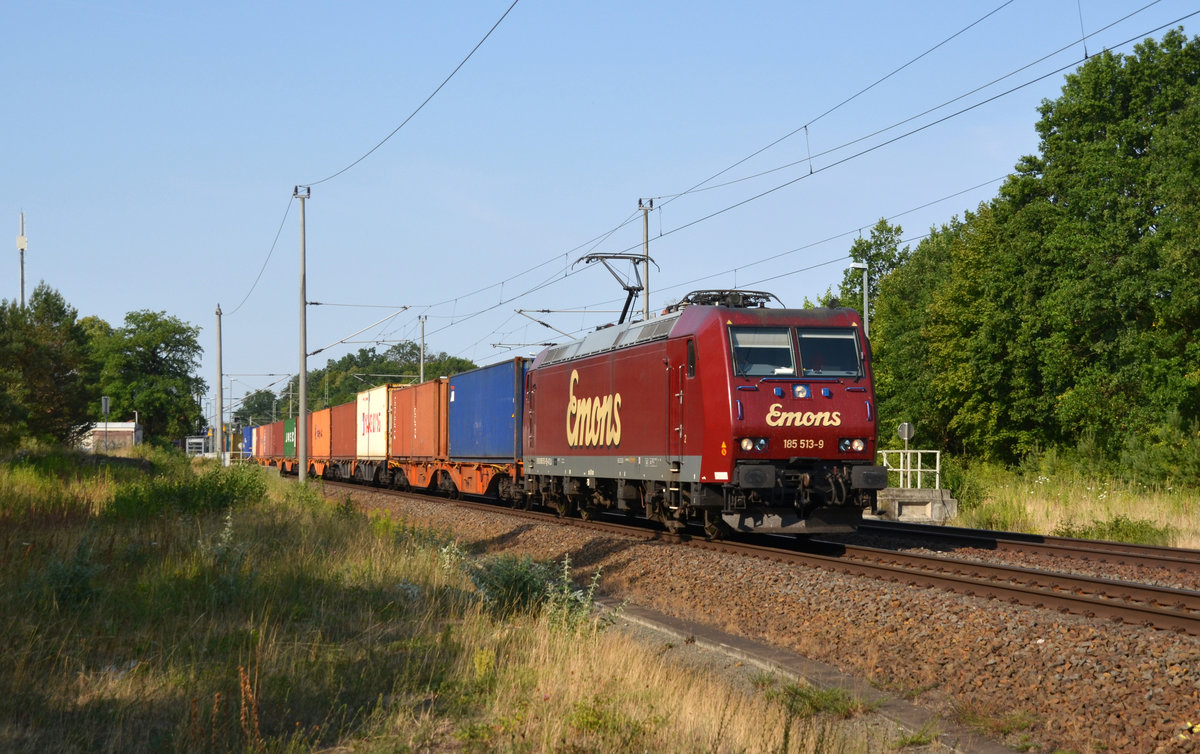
(447, 487)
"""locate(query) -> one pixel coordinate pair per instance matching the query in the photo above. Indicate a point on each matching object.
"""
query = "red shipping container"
(419, 420)
(342, 428)
(319, 434)
(275, 439)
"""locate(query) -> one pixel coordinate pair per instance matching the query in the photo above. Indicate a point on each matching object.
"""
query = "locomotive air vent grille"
(558, 354)
(612, 339)
(657, 329)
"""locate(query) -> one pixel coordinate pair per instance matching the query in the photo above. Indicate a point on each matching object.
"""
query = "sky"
(155, 148)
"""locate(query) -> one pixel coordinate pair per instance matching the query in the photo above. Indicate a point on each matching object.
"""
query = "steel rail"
(1121, 553)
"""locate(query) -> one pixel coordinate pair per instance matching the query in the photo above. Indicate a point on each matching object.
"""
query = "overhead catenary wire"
(394, 131)
(666, 198)
(904, 135)
(458, 318)
(420, 107)
(270, 251)
(846, 101)
(820, 242)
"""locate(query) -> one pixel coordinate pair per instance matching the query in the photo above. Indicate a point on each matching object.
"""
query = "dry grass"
(287, 623)
(1078, 505)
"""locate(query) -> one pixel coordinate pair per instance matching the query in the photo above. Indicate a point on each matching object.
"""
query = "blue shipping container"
(484, 411)
(247, 442)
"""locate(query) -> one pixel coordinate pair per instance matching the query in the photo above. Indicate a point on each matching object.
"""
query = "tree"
(257, 408)
(341, 380)
(45, 380)
(1063, 311)
(881, 253)
(148, 366)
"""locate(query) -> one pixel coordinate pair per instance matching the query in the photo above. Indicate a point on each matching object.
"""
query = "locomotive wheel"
(715, 529)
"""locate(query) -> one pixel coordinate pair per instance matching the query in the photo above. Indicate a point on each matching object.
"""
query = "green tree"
(881, 253)
(1063, 312)
(45, 380)
(339, 381)
(257, 408)
(149, 366)
(906, 372)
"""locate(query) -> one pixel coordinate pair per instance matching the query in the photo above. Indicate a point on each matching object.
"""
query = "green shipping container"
(289, 438)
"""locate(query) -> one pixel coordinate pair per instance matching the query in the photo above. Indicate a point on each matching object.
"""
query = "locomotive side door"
(681, 366)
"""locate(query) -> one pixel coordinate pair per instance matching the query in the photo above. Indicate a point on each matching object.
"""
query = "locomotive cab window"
(762, 351)
(691, 358)
(829, 353)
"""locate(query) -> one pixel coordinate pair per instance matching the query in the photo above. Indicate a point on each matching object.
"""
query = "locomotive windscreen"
(762, 351)
(829, 353)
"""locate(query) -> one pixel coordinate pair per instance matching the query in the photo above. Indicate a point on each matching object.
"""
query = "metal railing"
(913, 469)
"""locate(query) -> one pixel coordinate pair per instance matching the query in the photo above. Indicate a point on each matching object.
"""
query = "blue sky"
(154, 147)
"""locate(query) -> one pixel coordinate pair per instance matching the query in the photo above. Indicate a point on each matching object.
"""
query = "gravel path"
(1038, 680)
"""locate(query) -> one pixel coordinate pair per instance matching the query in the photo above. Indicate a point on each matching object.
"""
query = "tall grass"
(1047, 496)
(174, 608)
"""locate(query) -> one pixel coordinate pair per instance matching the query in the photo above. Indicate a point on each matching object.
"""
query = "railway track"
(1117, 553)
(1147, 605)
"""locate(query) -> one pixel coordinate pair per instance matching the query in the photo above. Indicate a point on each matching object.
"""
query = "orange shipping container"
(419, 420)
(342, 427)
(319, 435)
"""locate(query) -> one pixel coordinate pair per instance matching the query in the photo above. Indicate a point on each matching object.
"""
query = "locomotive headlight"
(800, 391)
(760, 443)
(856, 445)
(747, 444)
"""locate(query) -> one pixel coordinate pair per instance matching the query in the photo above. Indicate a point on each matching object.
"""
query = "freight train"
(722, 411)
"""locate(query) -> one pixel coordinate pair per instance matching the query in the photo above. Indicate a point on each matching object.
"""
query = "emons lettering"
(593, 421)
(777, 417)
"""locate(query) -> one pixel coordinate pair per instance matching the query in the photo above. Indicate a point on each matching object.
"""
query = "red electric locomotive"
(721, 410)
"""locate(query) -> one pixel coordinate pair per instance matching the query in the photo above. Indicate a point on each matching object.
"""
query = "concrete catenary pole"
(866, 315)
(421, 371)
(218, 431)
(645, 208)
(22, 244)
(302, 413)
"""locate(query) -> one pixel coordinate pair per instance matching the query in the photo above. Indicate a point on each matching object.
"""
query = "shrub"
(214, 490)
(512, 584)
(571, 608)
(1120, 528)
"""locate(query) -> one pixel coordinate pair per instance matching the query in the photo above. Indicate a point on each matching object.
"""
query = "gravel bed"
(1175, 578)
(1037, 679)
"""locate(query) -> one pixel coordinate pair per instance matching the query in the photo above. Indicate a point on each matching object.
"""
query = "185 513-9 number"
(803, 443)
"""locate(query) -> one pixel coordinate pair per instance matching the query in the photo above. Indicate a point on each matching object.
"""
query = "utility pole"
(421, 371)
(219, 429)
(22, 244)
(645, 208)
(302, 414)
(866, 316)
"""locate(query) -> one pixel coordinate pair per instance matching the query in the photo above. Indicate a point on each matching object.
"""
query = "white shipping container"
(373, 425)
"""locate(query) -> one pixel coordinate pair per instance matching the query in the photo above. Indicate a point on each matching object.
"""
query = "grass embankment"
(153, 606)
(1074, 503)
